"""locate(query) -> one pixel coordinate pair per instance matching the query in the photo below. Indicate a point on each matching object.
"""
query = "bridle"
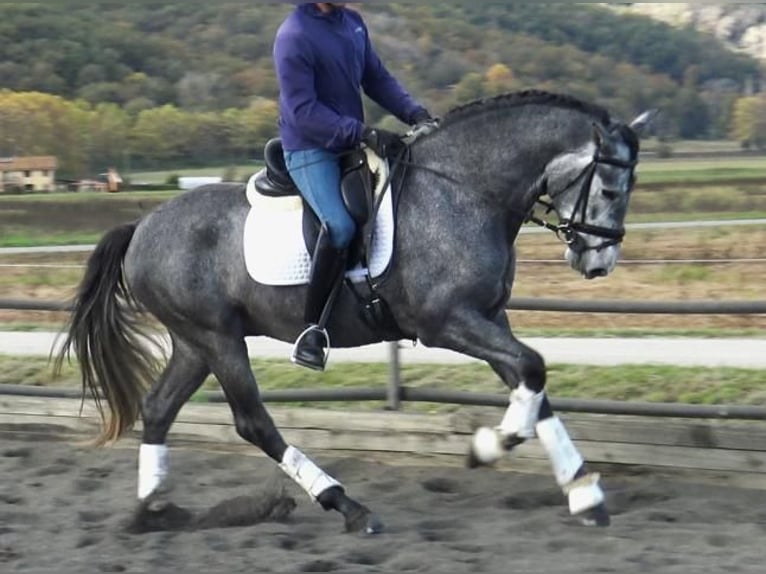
(569, 230)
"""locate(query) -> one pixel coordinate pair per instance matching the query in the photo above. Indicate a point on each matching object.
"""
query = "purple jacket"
(323, 62)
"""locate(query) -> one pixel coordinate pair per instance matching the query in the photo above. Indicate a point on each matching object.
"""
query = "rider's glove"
(382, 142)
(420, 117)
(423, 124)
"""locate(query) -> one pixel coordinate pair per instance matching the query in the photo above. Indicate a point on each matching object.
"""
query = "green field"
(652, 144)
(239, 172)
(651, 171)
(84, 197)
(635, 383)
(674, 189)
(705, 171)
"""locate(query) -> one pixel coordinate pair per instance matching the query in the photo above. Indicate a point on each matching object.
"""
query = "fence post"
(393, 392)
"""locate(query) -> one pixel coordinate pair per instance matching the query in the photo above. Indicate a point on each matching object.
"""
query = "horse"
(467, 189)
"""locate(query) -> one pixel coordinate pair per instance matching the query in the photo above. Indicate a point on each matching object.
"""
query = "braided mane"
(526, 97)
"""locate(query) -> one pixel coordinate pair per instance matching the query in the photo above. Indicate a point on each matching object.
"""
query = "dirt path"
(64, 509)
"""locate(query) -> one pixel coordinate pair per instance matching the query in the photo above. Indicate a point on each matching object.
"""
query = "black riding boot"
(327, 270)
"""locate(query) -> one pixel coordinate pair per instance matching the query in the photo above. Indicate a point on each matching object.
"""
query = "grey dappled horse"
(468, 188)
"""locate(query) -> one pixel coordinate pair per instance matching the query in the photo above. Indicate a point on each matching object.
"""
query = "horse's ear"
(639, 124)
(599, 134)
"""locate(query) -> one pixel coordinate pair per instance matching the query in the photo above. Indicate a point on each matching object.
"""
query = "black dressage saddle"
(357, 190)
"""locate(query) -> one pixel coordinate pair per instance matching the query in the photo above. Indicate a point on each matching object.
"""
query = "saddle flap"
(356, 186)
(278, 229)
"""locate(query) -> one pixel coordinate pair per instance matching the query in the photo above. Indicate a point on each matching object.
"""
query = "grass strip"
(651, 383)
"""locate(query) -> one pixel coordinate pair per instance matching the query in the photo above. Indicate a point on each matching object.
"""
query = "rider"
(324, 60)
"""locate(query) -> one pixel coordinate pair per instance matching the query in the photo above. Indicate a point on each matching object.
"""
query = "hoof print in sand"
(246, 511)
(441, 485)
(154, 515)
(157, 516)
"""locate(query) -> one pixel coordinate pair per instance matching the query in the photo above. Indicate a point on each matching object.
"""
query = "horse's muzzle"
(598, 272)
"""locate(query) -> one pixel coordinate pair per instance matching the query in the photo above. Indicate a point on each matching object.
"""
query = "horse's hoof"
(157, 506)
(596, 516)
(155, 514)
(472, 461)
(486, 448)
(364, 522)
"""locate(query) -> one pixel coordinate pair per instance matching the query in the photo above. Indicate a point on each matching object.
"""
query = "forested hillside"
(742, 27)
(163, 81)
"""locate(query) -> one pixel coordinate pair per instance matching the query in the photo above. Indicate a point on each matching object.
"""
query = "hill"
(192, 79)
(214, 55)
(742, 27)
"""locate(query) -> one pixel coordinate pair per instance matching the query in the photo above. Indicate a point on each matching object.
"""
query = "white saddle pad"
(275, 253)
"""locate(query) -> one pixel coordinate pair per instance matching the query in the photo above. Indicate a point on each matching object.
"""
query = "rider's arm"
(385, 90)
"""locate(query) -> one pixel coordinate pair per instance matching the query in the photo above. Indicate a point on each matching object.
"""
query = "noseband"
(569, 230)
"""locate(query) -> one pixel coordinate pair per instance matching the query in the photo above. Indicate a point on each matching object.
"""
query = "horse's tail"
(104, 332)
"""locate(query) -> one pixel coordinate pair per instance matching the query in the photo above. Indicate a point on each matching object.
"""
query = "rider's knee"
(342, 232)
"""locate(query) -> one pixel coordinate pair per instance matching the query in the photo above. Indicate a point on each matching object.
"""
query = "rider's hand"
(423, 124)
(420, 116)
(382, 142)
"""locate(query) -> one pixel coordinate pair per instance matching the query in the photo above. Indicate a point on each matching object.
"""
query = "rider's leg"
(317, 175)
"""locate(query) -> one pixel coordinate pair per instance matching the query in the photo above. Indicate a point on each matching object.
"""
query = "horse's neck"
(500, 162)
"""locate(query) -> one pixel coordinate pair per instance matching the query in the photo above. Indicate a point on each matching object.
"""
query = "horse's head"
(590, 190)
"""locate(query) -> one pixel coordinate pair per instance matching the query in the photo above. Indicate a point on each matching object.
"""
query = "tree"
(720, 97)
(109, 127)
(691, 113)
(499, 79)
(749, 121)
(34, 123)
(251, 128)
(161, 134)
(471, 87)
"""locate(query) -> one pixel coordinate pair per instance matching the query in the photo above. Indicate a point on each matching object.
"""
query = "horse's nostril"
(598, 272)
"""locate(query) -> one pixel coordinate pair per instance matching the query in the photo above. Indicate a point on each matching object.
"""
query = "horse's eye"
(610, 194)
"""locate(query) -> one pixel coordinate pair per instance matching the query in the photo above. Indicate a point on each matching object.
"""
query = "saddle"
(357, 190)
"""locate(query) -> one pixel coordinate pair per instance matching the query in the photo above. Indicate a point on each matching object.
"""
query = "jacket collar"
(311, 9)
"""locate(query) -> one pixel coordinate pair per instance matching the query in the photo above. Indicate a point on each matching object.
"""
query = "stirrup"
(294, 355)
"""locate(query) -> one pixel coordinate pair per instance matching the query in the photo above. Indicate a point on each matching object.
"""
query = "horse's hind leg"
(183, 375)
(229, 361)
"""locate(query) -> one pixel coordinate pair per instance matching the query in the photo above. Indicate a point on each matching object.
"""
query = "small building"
(108, 181)
(33, 173)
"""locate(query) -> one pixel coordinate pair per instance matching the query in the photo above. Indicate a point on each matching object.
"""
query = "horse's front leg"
(529, 412)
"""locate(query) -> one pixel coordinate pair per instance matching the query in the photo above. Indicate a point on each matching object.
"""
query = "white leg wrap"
(521, 417)
(308, 475)
(584, 493)
(565, 459)
(152, 468)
